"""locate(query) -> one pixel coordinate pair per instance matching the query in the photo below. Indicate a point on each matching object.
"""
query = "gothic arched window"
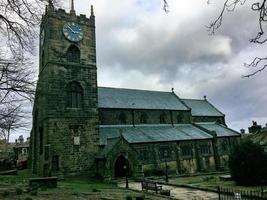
(162, 118)
(73, 54)
(143, 118)
(74, 95)
(122, 118)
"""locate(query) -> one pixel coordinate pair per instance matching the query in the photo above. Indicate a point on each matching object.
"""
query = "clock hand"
(71, 29)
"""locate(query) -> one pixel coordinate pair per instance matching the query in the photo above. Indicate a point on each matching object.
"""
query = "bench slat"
(149, 185)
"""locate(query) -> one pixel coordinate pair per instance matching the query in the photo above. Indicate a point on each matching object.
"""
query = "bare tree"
(259, 63)
(18, 20)
(11, 118)
(18, 31)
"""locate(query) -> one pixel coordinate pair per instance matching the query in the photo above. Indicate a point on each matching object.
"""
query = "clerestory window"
(122, 118)
(162, 118)
(179, 118)
(143, 118)
(74, 95)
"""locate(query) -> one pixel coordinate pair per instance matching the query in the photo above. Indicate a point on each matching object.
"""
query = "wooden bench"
(50, 182)
(150, 185)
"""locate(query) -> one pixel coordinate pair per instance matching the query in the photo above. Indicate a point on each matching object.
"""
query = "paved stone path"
(180, 193)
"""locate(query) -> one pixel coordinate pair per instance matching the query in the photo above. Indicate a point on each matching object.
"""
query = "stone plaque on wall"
(77, 140)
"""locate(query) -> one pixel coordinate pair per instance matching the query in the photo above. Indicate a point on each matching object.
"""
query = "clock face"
(73, 32)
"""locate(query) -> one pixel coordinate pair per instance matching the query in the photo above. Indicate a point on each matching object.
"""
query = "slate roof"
(110, 144)
(202, 108)
(221, 130)
(152, 133)
(138, 99)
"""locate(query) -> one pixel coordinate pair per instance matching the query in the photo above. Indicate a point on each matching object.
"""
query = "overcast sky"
(140, 46)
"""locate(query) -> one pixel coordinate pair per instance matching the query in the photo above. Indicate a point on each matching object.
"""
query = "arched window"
(122, 118)
(73, 54)
(162, 118)
(74, 95)
(143, 118)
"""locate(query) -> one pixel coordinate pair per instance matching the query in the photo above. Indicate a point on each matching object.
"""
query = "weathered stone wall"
(199, 159)
(106, 168)
(54, 124)
(225, 147)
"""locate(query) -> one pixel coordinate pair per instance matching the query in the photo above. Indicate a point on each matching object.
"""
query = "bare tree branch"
(260, 38)
(19, 20)
(260, 63)
(165, 6)
(230, 6)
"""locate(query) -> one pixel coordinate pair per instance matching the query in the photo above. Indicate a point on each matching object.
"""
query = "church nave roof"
(138, 99)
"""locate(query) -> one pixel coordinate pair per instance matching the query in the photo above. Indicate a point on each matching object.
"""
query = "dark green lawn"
(208, 182)
(70, 188)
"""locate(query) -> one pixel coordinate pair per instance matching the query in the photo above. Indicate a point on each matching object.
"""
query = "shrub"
(95, 190)
(248, 164)
(19, 191)
(75, 193)
(28, 198)
(34, 186)
(5, 193)
(208, 178)
(140, 198)
(154, 172)
(165, 192)
(33, 193)
(43, 188)
(129, 198)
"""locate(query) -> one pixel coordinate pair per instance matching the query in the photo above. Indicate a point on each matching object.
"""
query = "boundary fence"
(230, 193)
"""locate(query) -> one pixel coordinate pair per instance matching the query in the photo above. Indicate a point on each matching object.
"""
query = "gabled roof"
(221, 130)
(110, 143)
(202, 108)
(152, 133)
(138, 99)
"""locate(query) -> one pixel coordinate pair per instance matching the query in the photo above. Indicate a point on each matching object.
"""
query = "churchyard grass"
(208, 182)
(68, 189)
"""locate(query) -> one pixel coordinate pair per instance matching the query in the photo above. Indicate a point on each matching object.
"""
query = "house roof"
(152, 133)
(221, 130)
(201, 107)
(138, 99)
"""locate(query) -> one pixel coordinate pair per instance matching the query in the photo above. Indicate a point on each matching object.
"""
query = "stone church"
(80, 128)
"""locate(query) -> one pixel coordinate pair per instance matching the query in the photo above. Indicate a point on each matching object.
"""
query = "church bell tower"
(64, 136)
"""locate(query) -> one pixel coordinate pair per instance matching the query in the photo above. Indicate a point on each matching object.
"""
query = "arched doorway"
(121, 166)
